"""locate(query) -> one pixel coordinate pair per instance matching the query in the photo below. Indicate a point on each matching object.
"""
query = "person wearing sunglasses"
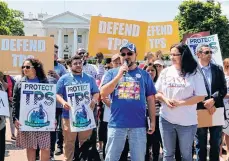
(32, 72)
(89, 69)
(130, 88)
(216, 87)
(180, 87)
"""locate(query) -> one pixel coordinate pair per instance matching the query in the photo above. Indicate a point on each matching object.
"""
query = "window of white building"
(79, 38)
(65, 38)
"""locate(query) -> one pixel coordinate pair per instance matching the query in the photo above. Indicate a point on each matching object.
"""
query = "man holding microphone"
(130, 88)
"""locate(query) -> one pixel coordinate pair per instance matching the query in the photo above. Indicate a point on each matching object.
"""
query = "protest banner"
(4, 104)
(205, 119)
(108, 34)
(15, 49)
(213, 43)
(161, 36)
(37, 107)
(192, 35)
(81, 116)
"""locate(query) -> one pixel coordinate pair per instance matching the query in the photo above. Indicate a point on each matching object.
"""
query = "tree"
(197, 16)
(10, 21)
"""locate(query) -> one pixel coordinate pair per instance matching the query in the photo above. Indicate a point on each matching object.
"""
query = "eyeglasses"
(174, 55)
(81, 53)
(128, 54)
(27, 67)
(207, 52)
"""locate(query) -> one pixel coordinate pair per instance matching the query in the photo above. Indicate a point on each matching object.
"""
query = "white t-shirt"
(174, 86)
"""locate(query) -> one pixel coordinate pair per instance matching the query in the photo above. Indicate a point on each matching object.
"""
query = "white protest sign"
(81, 115)
(213, 43)
(4, 104)
(37, 107)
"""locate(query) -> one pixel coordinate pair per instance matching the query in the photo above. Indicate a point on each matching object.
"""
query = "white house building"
(70, 31)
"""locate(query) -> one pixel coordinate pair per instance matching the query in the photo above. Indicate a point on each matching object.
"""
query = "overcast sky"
(151, 10)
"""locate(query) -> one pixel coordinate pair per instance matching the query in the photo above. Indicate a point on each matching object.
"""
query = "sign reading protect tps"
(213, 43)
(37, 107)
(81, 115)
(15, 49)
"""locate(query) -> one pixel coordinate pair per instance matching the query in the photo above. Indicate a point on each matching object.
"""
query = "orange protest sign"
(15, 49)
(107, 35)
(161, 35)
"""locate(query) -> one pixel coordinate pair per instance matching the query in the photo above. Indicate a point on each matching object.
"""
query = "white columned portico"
(75, 41)
(60, 54)
(86, 39)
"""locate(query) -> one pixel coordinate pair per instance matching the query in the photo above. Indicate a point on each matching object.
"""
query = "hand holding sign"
(66, 106)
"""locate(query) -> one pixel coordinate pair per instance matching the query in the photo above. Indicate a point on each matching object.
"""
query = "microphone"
(125, 63)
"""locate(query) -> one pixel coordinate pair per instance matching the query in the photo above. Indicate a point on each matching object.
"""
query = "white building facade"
(69, 31)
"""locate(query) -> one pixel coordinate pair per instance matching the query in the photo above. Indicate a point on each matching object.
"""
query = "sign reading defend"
(15, 49)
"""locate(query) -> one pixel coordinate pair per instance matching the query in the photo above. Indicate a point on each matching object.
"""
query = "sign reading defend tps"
(15, 49)
(108, 34)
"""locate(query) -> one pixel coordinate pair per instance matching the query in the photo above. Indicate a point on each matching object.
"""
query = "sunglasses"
(128, 54)
(81, 53)
(26, 67)
(207, 52)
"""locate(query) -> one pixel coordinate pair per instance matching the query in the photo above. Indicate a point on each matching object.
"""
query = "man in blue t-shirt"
(76, 77)
(130, 88)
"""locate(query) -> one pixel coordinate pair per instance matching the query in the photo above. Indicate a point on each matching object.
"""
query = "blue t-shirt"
(68, 80)
(60, 69)
(128, 107)
(35, 80)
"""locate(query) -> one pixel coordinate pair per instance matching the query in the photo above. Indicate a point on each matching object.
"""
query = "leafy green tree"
(197, 16)
(10, 21)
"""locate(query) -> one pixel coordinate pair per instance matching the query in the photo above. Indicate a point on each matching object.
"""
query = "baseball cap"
(114, 57)
(81, 50)
(129, 46)
(160, 62)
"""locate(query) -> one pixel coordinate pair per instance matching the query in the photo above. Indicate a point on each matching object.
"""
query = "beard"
(77, 71)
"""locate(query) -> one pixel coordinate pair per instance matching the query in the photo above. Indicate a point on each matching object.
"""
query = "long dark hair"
(188, 63)
(152, 65)
(38, 66)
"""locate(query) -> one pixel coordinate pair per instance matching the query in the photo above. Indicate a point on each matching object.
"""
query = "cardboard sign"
(207, 120)
(108, 34)
(15, 49)
(213, 43)
(4, 104)
(38, 107)
(192, 35)
(161, 36)
(81, 115)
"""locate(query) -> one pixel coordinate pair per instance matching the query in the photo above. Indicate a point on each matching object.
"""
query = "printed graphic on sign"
(213, 43)
(37, 117)
(38, 107)
(4, 104)
(129, 90)
(81, 115)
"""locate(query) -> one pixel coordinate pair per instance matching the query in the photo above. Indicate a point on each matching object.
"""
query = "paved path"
(15, 154)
